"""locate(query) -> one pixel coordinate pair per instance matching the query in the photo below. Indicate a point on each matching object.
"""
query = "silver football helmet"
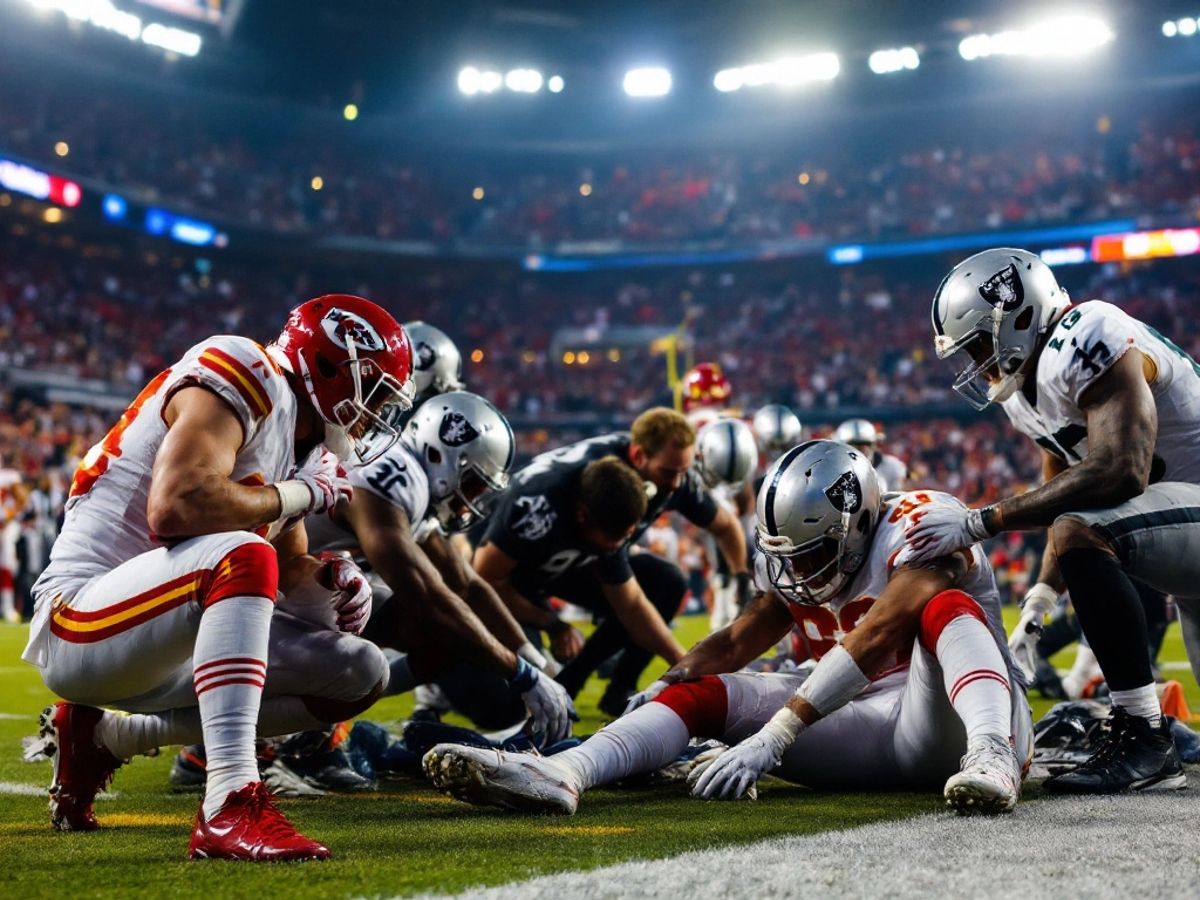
(466, 447)
(776, 428)
(437, 364)
(725, 452)
(857, 433)
(992, 309)
(817, 513)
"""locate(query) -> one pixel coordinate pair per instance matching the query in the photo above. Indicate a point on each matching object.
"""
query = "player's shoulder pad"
(242, 372)
(1087, 341)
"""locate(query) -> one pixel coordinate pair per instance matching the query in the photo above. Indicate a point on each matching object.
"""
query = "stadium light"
(103, 15)
(479, 81)
(1186, 27)
(555, 84)
(885, 62)
(652, 81)
(350, 112)
(523, 81)
(787, 72)
(1063, 38)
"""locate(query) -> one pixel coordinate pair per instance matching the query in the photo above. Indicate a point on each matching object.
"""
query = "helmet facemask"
(474, 491)
(824, 557)
(364, 426)
(989, 370)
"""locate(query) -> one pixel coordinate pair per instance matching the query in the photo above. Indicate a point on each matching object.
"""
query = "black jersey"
(535, 520)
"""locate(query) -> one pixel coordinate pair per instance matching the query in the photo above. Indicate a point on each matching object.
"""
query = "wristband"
(295, 497)
(531, 655)
(782, 728)
(834, 682)
(524, 678)
(993, 519)
(555, 626)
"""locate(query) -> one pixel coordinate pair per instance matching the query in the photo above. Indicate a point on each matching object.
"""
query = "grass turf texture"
(405, 838)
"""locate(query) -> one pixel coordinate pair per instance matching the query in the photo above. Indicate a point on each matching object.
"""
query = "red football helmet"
(356, 364)
(705, 385)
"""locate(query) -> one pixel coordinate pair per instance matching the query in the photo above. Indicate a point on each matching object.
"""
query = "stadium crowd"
(213, 163)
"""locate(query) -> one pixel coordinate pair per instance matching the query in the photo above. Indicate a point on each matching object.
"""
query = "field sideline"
(406, 839)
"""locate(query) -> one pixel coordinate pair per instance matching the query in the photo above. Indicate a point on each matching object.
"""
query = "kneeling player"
(920, 677)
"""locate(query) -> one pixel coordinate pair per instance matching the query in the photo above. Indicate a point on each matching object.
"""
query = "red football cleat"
(249, 827)
(81, 769)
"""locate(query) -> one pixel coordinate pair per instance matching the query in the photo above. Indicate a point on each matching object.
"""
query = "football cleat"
(488, 777)
(330, 770)
(1132, 756)
(283, 782)
(248, 827)
(81, 768)
(989, 781)
(189, 769)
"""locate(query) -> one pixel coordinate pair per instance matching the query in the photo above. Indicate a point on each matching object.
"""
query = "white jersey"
(891, 470)
(106, 520)
(397, 477)
(824, 626)
(1087, 341)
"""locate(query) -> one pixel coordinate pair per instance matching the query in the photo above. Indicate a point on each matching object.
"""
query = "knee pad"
(703, 705)
(250, 569)
(941, 611)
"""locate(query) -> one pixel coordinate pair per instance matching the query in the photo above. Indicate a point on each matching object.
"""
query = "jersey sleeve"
(693, 501)
(615, 568)
(395, 478)
(522, 525)
(1085, 344)
(237, 370)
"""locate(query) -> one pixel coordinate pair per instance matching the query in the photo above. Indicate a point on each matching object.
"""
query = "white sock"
(976, 678)
(1084, 669)
(1142, 702)
(646, 739)
(229, 667)
(127, 735)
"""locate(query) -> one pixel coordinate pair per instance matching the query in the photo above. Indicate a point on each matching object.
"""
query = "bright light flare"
(1068, 37)
(652, 81)
(787, 72)
(900, 59)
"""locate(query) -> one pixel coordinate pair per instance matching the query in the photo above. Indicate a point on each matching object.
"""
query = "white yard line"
(1143, 845)
(21, 789)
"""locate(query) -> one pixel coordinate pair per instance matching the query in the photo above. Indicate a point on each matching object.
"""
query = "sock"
(646, 739)
(1083, 670)
(229, 668)
(1112, 616)
(976, 678)
(1142, 702)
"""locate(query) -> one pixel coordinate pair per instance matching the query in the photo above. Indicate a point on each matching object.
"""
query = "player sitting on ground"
(920, 676)
(160, 593)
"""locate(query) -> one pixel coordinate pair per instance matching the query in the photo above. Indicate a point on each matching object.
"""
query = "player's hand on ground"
(939, 530)
(735, 773)
(352, 594)
(641, 698)
(551, 710)
(566, 644)
(1040, 600)
(326, 478)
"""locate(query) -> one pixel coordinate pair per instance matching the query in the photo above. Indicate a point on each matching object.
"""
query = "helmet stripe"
(731, 461)
(781, 467)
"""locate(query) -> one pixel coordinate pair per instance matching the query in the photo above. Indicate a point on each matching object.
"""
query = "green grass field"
(404, 839)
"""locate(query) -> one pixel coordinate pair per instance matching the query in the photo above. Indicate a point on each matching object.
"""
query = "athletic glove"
(318, 486)
(939, 531)
(1040, 599)
(550, 708)
(641, 698)
(735, 772)
(352, 594)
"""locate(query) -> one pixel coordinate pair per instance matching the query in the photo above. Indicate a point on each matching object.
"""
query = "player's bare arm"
(642, 620)
(1049, 574)
(387, 541)
(456, 571)
(727, 531)
(190, 489)
(762, 625)
(1122, 425)
(296, 564)
(495, 567)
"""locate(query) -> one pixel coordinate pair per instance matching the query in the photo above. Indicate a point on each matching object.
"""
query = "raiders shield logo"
(1004, 289)
(455, 430)
(845, 493)
(341, 327)
(533, 518)
(424, 356)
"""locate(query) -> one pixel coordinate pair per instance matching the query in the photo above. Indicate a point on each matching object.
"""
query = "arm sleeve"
(615, 568)
(1092, 340)
(693, 501)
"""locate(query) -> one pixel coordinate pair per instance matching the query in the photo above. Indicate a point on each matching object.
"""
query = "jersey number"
(95, 462)
(386, 475)
(821, 628)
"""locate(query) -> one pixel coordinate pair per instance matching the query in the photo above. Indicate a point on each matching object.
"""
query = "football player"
(706, 394)
(862, 435)
(437, 362)
(913, 674)
(1115, 407)
(182, 525)
(537, 545)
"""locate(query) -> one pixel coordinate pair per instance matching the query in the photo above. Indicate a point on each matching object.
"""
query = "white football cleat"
(489, 777)
(989, 781)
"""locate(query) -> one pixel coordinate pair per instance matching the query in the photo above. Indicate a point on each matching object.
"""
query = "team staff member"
(536, 547)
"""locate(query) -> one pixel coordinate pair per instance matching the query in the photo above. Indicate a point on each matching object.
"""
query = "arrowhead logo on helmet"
(1004, 289)
(344, 328)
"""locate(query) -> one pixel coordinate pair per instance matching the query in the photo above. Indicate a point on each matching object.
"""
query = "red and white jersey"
(1087, 341)
(106, 520)
(823, 627)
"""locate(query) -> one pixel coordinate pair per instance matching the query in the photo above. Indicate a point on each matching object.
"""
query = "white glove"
(641, 698)
(352, 594)
(1040, 599)
(550, 708)
(939, 531)
(735, 772)
(323, 478)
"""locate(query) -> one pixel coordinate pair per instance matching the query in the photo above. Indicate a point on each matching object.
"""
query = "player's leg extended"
(958, 700)
(1155, 538)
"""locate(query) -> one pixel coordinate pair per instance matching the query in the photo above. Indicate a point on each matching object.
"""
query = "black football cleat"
(1132, 756)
